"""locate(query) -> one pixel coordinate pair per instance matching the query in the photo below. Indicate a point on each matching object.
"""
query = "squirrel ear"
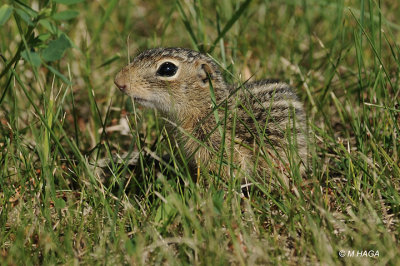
(205, 73)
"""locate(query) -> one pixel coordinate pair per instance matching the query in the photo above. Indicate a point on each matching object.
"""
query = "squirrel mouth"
(143, 102)
(138, 99)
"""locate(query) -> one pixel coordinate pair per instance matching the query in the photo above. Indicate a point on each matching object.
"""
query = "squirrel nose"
(122, 87)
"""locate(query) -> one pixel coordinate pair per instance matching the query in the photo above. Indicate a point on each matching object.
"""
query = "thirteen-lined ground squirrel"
(264, 119)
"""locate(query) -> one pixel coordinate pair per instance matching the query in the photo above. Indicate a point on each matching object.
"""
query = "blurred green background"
(61, 118)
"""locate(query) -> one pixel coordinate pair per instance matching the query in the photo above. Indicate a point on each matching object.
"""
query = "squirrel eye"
(167, 69)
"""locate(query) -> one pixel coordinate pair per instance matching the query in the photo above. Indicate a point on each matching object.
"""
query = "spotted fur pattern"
(261, 120)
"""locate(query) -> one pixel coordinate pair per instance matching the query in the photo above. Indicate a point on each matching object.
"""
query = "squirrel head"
(173, 80)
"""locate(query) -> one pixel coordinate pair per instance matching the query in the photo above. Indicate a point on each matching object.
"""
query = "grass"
(61, 118)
